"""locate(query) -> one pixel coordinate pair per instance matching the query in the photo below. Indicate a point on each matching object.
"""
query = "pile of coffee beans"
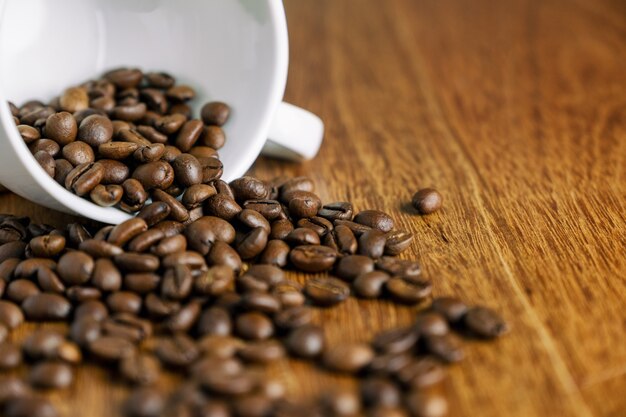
(126, 137)
(197, 285)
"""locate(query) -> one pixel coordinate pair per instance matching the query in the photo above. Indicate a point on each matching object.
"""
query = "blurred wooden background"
(516, 111)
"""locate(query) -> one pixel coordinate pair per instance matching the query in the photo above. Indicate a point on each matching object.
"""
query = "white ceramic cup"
(235, 51)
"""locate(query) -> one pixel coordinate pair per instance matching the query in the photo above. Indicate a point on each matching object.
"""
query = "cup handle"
(295, 134)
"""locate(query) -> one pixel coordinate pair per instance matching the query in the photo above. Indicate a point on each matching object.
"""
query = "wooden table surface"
(516, 111)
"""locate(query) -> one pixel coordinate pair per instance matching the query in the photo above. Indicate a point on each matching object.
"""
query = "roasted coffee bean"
(75, 267)
(46, 162)
(137, 262)
(372, 243)
(10, 356)
(127, 326)
(37, 118)
(319, 225)
(62, 167)
(145, 240)
(380, 391)
(84, 178)
(215, 113)
(20, 289)
(451, 308)
(93, 309)
(106, 195)
(397, 242)
(215, 321)
(408, 290)
(252, 243)
(157, 174)
(144, 402)
(281, 229)
(276, 253)
(47, 246)
(178, 212)
(117, 150)
(46, 307)
(124, 302)
(11, 249)
(160, 80)
(154, 213)
(206, 152)
(153, 135)
(130, 112)
(170, 124)
(140, 369)
(190, 259)
(303, 204)
(249, 188)
(446, 347)
(260, 301)
(216, 280)
(427, 201)
(95, 130)
(426, 404)
(29, 267)
(306, 341)
(79, 294)
(149, 153)
(254, 326)
(183, 319)
(252, 219)
(421, 372)
(7, 267)
(29, 406)
(399, 267)
(69, 352)
(54, 375)
(431, 324)
(401, 339)
(268, 274)
(141, 283)
(302, 236)
(337, 211)
(375, 219)
(158, 307)
(370, 284)
(85, 330)
(327, 291)
(196, 194)
(349, 358)
(270, 209)
(350, 267)
(188, 135)
(294, 184)
(105, 103)
(177, 283)
(170, 245)
(29, 134)
(154, 99)
(356, 228)
(61, 128)
(180, 93)
(74, 99)
(111, 349)
(293, 317)
(313, 258)
(484, 322)
(204, 232)
(98, 249)
(263, 351)
(213, 136)
(222, 206)
(177, 351)
(124, 77)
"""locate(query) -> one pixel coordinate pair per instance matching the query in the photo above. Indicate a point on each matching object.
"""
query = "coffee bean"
(170, 245)
(145, 240)
(337, 211)
(188, 135)
(222, 206)
(75, 267)
(372, 243)
(178, 212)
(157, 307)
(254, 326)
(111, 349)
(10, 249)
(29, 267)
(160, 80)
(177, 351)
(78, 294)
(380, 391)
(446, 347)
(74, 99)
(54, 375)
(215, 321)
(484, 322)
(348, 358)
(370, 284)
(407, 290)
(431, 324)
(268, 274)
(252, 243)
(427, 201)
(154, 136)
(306, 341)
(177, 283)
(137, 262)
(95, 130)
(46, 307)
(69, 352)
(293, 317)
(196, 194)
(157, 174)
(426, 404)
(117, 150)
(281, 228)
(202, 233)
(140, 369)
(106, 196)
(149, 153)
(46, 162)
(253, 219)
(124, 302)
(313, 258)
(20, 289)
(47, 246)
(62, 167)
(84, 178)
(398, 340)
(422, 372)
(213, 136)
(29, 406)
(397, 242)
(170, 124)
(215, 113)
(276, 253)
(61, 128)
(85, 330)
(96, 249)
(263, 351)
(130, 112)
(319, 225)
(29, 134)
(356, 228)
(451, 308)
(144, 402)
(191, 259)
(302, 236)
(327, 291)
(341, 402)
(12, 387)
(303, 204)
(142, 282)
(260, 301)
(350, 267)
(10, 356)
(222, 383)
(399, 267)
(124, 77)
(154, 99)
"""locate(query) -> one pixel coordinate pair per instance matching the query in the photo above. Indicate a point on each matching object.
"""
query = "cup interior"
(229, 50)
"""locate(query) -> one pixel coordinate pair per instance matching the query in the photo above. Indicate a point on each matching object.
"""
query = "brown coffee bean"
(177, 351)
(170, 124)
(117, 150)
(337, 211)
(130, 112)
(350, 267)
(205, 152)
(485, 322)
(69, 352)
(158, 174)
(215, 113)
(222, 206)
(78, 153)
(177, 283)
(29, 267)
(253, 219)
(154, 99)
(140, 369)
(61, 128)
(306, 341)
(20, 289)
(111, 349)
(254, 326)
(313, 258)
(370, 284)
(106, 195)
(85, 330)
(252, 243)
(180, 93)
(178, 212)
(399, 267)
(295, 184)
(191, 259)
(196, 194)
(263, 351)
(327, 291)
(170, 245)
(158, 307)
(95, 130)
(154, 136)
(74, 99)
(281, 228)
(84, 178)
(29, 134)
(348, 358)
(10, 356)
(105, 103)
(303, 204)
(380, 391)
(29, 406)
(54, 375)
(93, 309)
(213, 136)
(49, 281)
(270, 209)
(189, 134)
(145, 240)
(451, 308)
(141, 283)
(47, 246)
(446, 347)
(276, 253)
(427, 201)
(137, 262)
(170, 227)
(12, 387)
(37, 118)
(61, 169)
(293, 317)
(397, 242)
(75, 267)
(375, 219)
(407, 290)
(160, 80)
(260, 301)
(149, 153)
(106, 276)
(126, 231)
(46, 307)
(372, 243)
(401, 339)
(431, 324)
(124, 77)
(99, 248)
(78, 294)
(249, 188)
(46, 162)
(154, 213)
(356, 228)
(302, 236)
(215, 321)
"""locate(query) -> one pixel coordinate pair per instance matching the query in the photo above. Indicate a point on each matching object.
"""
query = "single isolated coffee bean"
(427, 201)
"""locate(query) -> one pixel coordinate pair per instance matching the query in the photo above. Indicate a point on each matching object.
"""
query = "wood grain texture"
(516, 111)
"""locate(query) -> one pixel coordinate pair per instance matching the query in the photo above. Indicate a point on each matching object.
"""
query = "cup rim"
(69, 202)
